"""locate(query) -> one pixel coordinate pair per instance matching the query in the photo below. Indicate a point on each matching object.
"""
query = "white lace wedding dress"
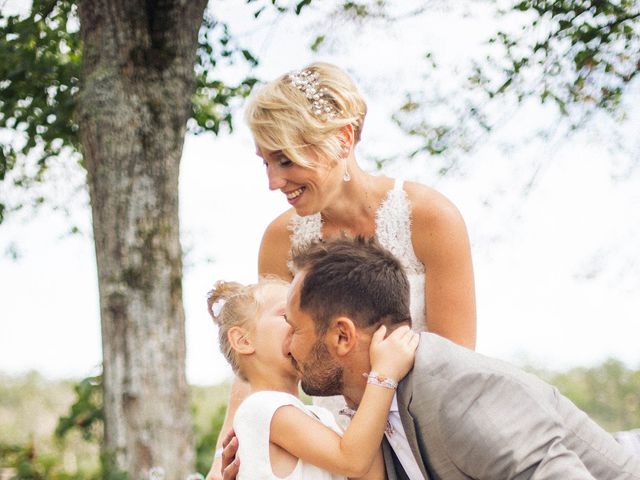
(393, 231)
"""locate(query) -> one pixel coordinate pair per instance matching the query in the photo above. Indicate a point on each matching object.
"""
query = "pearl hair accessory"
(308, 83)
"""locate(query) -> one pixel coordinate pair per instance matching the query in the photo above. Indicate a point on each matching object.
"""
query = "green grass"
(30, 406)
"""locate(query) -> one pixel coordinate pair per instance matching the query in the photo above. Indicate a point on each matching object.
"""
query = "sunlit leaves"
(40, 79)
(40, 73)
(86, 413)
(579, 55)
(582, 55)
(212, 102)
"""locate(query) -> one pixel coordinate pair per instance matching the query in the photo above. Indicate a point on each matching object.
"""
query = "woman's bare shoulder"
(275, 247)
(435, 218)
(429, 205)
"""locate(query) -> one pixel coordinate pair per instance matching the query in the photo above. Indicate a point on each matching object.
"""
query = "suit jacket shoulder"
(477, 417)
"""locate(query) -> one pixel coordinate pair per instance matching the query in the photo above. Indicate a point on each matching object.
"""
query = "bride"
(306, 125)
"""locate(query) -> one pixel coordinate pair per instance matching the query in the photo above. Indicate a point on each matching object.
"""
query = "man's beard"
(321, 374)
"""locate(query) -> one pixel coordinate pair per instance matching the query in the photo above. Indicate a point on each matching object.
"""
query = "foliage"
(579, 54)
(40, 73)
(25, 464)
(582, 56)
(206, 440)
(609, 392)
(35, 457)
(85, 414)
(41, 77)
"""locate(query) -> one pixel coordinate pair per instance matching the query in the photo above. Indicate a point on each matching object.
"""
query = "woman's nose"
(276, 180)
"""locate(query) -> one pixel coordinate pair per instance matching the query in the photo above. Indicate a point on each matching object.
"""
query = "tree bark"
(138, 77)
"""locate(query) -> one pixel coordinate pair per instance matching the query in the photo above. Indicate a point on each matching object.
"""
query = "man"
(459, 415)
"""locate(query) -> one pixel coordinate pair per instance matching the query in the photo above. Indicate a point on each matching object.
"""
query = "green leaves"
(301, 5)
(40, 72)
(214, 99)
(579, 55)
(85, 414)
(585, 54)
(40, 79)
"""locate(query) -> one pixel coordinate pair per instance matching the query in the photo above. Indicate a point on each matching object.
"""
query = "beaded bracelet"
(375, 378)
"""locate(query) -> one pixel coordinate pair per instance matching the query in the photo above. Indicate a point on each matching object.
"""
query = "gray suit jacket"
(469, 416)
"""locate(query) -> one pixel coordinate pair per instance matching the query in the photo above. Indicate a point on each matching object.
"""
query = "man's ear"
(342, 335)
(240, 341)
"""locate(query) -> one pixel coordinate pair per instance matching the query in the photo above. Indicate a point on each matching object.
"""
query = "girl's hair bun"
(220, 293)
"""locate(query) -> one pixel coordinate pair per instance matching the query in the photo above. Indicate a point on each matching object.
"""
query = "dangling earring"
(345, 156)
(346, 177)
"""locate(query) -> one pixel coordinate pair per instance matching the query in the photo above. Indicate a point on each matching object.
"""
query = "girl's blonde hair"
(232, 304)
(281, 117)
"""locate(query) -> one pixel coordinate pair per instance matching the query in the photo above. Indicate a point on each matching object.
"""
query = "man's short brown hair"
(356, 278)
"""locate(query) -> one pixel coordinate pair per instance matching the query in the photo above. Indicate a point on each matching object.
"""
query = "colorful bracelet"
(375, 378)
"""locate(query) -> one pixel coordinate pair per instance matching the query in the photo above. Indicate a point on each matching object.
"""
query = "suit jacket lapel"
(405, 393)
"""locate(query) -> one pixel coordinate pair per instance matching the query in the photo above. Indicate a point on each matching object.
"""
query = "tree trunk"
(135, 99)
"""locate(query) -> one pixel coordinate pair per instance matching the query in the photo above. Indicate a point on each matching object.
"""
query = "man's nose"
(276, 180)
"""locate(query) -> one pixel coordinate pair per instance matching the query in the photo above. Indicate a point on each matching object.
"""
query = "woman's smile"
(294, 195)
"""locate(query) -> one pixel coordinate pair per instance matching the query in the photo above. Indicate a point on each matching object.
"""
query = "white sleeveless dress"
(393, 231)
(252, 425)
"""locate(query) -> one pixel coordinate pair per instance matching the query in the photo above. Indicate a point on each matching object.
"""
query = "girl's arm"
(351, 455)
(377, 470)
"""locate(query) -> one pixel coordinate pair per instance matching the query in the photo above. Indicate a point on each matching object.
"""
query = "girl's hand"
(393, 356)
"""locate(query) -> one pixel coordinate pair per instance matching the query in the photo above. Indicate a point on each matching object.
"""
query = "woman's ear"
(342, 335)
(240, 341)
(347, 139)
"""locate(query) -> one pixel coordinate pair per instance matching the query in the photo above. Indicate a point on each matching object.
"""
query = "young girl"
(252, 334)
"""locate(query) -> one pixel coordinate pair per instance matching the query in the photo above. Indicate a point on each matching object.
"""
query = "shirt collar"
(349, 412)
(394, 404)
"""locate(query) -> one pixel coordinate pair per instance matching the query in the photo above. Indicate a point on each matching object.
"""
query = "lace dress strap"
(304, 230)
(393, 228)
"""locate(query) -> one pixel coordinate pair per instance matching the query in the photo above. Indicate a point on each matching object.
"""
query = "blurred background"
(524, 115)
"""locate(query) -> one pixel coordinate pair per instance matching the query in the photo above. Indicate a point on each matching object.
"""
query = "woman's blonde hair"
(282, 117)
(232, 304)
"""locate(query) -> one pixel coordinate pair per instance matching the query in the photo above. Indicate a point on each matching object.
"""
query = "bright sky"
(557, 270)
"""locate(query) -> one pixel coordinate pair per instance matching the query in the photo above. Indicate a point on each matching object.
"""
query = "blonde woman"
(306, 125)
(279, 436)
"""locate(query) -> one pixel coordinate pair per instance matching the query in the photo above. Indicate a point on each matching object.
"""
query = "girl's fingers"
(409, 334)
(400, 332)
(379, 334)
